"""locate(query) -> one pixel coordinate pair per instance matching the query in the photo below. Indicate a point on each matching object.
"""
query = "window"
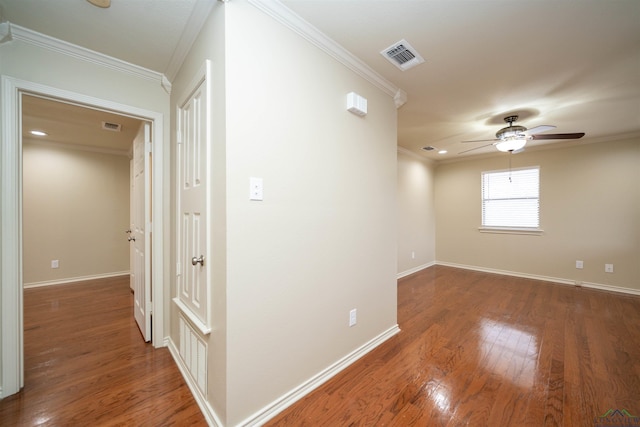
(511, 199)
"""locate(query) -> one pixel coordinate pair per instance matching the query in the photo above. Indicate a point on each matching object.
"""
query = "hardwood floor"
(87, 365)
(475, 349)
(478, 349)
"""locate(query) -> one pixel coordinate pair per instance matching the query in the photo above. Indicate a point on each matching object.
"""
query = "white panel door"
(192, 220)
(140, 232)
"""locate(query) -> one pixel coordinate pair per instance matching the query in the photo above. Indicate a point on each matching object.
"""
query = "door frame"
(11, 280)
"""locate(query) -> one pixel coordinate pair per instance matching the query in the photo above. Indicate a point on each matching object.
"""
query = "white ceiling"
(572, 64)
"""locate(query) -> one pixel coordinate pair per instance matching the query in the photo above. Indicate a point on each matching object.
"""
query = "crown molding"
(41, 40)
(293, 21)
(194, 25)
(415, 155)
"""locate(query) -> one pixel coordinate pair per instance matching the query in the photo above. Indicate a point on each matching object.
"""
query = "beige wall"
(323, 241)
(590, 211)
(75, 210)
(416, 213)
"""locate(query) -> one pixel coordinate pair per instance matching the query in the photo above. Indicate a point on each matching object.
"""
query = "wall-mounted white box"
(356, 104)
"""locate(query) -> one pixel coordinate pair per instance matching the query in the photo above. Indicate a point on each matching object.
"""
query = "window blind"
(511, 198)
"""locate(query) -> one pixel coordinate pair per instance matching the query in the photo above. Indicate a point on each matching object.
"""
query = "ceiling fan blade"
(481, 140)
(539, 129)
(475, 148)
(558, 136)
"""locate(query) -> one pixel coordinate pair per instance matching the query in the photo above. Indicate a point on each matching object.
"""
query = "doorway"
(76, 193)
(12, 279)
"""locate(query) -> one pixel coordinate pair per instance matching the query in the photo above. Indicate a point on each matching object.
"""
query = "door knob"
(131, 239)
(196, 261)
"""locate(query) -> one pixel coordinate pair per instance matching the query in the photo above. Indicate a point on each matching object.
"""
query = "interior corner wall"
(416, 214)
(75, 210)
(589, 211)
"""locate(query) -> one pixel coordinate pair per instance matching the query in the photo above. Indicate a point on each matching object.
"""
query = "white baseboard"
(600, 286)
(283, 402)
(75, 279)
(209, 414)
(286, 400)
(415, 269)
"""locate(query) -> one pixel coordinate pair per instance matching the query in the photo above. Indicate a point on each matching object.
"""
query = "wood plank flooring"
(87, 365)
(478, 349)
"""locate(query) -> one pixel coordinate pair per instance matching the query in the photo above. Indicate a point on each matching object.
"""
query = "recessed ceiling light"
(38, 133)
(442, 152)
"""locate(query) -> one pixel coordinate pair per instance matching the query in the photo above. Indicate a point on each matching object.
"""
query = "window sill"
(512, 230)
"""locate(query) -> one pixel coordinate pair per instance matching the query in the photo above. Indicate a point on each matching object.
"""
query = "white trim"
(294, 22)
(75, 279)
(512, 230)
(415, 155)
(11, 226)
(289, 398)
(199, 15)
(206, 409)
(611, 288)
(184, 309)
(41, 40)
(415, 270)
(11, 230)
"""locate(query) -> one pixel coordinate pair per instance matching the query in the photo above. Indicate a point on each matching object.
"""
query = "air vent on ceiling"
(402, 55)
(114, 127)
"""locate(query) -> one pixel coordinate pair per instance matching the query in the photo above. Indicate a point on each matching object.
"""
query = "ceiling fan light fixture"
(100, 3)
(511, 144)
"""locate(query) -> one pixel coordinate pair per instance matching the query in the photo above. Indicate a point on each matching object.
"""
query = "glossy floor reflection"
(479, 349)
(87, 365)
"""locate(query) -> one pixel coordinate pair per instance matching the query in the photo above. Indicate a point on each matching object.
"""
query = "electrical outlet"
(256, 187)
(608, 268)
(353, 317)
(580, 265)
(55, 263)
(413, 255)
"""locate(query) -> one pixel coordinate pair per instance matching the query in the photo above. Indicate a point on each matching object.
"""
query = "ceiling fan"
(100, 3)
(513, 138)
